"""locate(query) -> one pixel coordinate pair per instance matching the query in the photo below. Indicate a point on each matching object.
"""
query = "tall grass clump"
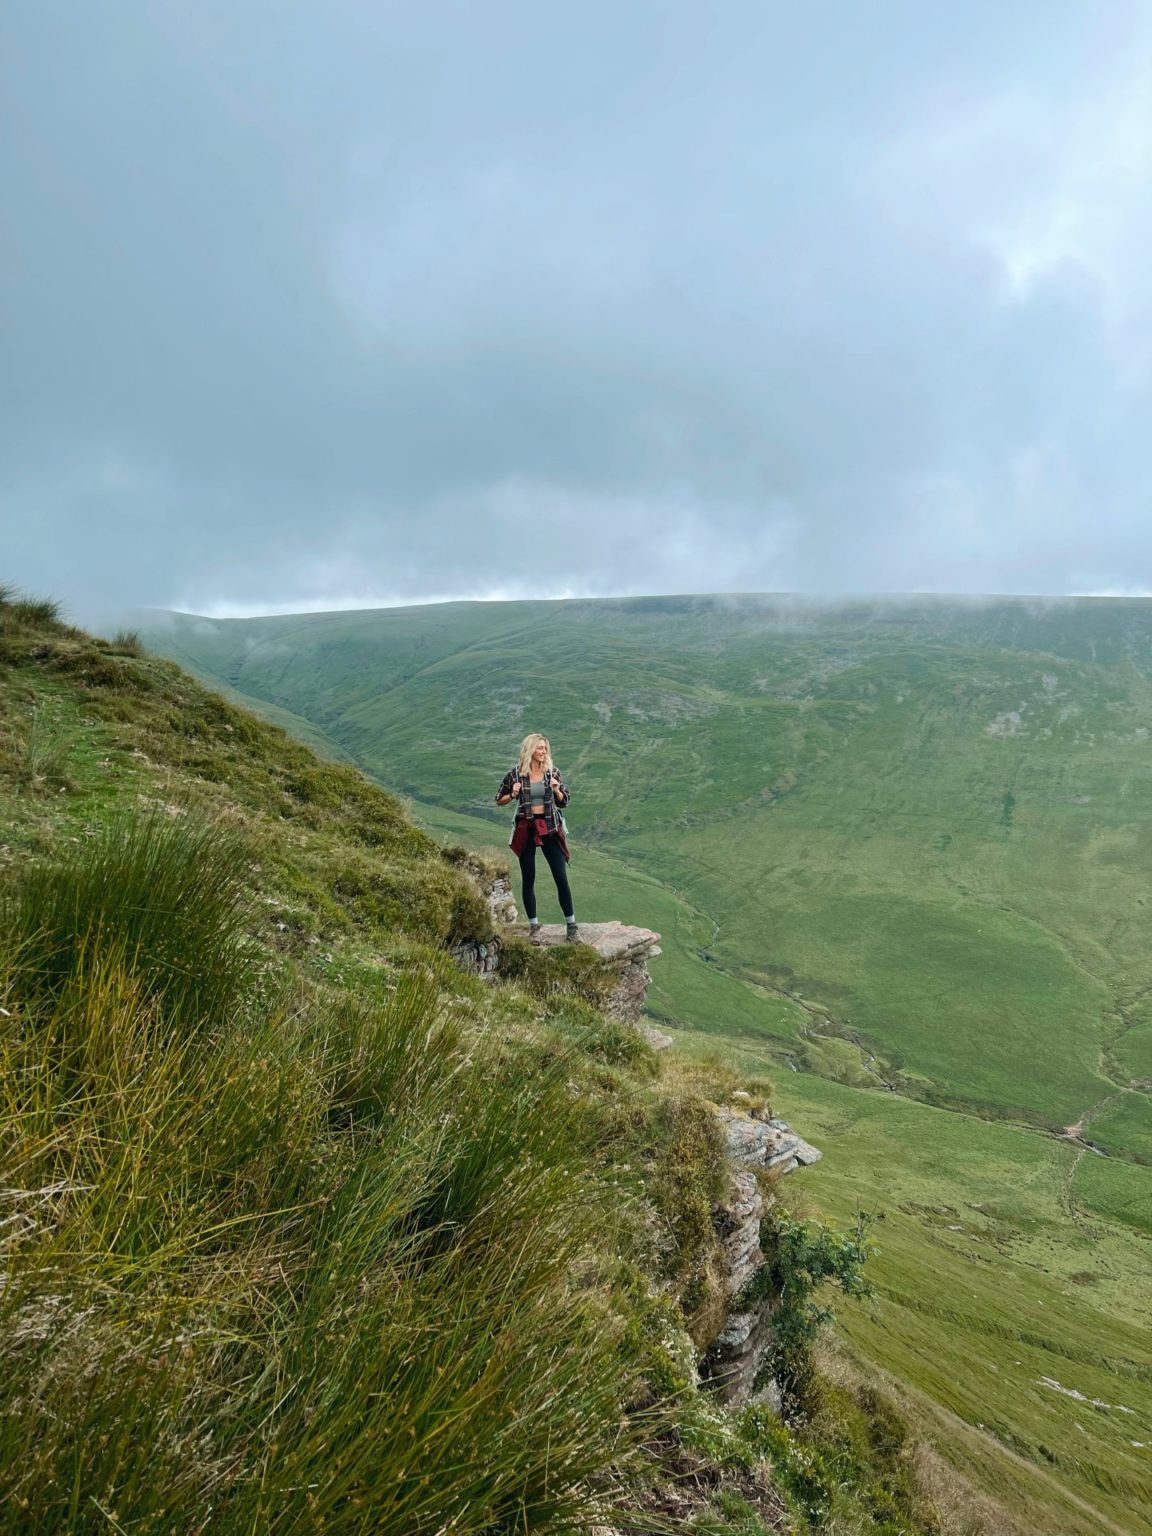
(19, 612)
(164, 894)
(44, 759)
(128, 642)
(328, 1265)
(573, 971)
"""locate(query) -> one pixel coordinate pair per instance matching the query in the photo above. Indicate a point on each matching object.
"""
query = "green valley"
(899, 854)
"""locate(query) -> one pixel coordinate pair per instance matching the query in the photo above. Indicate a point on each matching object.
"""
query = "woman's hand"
(516, 786)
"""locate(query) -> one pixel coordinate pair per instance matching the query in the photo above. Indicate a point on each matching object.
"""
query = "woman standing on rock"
(536, 783)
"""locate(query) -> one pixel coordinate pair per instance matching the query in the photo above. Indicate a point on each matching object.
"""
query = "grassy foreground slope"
(901, 848)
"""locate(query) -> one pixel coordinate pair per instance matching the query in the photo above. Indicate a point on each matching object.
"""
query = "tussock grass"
(165, 895)
(18, 612)
(42, 756)
(128, 642)
(306, 1268)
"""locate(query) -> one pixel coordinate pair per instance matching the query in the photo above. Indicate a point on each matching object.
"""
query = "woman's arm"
(509, 788)
(559, 793)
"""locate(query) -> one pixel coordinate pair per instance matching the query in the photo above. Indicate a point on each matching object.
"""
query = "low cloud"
(401, 303)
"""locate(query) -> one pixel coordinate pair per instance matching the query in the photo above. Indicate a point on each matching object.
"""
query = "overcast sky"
(314, 303)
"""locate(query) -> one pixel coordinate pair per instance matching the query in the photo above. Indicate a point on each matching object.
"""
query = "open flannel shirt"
(535, 828)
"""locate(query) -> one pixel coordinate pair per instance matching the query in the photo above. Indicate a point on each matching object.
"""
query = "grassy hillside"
(303, 1229)
(922, 818)
(899, 855)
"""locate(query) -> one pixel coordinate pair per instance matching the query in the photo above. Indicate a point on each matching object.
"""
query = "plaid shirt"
(552, 782)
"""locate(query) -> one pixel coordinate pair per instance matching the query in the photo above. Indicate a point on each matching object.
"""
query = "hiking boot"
(535, 936)
(572, 933)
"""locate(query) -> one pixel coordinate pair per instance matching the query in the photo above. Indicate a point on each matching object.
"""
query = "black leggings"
(553, 852)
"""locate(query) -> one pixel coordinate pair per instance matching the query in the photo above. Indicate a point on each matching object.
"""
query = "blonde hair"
(527, 747)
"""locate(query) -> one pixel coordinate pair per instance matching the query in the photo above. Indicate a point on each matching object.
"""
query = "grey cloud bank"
(308, 305)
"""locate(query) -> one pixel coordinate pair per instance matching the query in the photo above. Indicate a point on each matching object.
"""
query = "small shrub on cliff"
(800, 1257)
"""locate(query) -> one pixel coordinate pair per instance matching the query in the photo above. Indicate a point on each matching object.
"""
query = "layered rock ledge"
(764, 1141)
(758, 1144)
(624, 949)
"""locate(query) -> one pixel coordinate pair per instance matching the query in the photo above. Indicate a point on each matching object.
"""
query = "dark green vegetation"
(901, 848)
(799, 1257)
(302, 1228)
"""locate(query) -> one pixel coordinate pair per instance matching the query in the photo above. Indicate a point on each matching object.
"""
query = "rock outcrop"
(626, 951)
(766, 1142)
(757, 1144)
(481, 960)
(501, 902)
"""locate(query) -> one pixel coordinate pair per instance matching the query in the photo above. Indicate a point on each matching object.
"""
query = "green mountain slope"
(933, 821)
(901, 848)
